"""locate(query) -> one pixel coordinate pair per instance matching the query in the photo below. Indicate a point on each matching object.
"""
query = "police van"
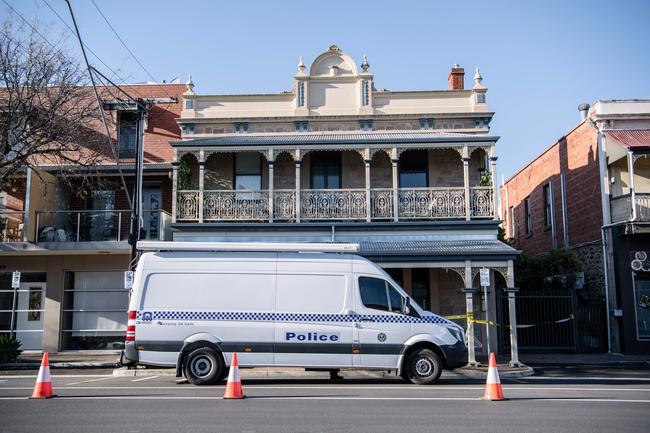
(314, 306)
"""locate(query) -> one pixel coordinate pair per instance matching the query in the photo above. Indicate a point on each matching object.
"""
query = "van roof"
(249, 246)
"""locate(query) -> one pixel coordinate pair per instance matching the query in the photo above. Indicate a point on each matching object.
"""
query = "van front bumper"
(455, 355)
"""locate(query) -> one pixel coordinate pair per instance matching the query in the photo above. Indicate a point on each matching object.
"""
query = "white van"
(292, 305)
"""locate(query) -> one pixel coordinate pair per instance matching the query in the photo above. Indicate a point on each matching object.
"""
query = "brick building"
(578, 194)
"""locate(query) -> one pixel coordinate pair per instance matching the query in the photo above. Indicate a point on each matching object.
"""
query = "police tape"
(470, 318)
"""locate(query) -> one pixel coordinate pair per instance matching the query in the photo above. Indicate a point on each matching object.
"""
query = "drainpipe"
(630, 170)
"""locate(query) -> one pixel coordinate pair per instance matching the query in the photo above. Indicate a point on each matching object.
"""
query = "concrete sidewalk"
(601, 359)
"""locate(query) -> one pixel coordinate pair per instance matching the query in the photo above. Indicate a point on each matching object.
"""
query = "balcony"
(621, 207)
(98, 225)
(333, 205)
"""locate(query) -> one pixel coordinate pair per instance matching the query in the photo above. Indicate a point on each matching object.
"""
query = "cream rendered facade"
(407, 174)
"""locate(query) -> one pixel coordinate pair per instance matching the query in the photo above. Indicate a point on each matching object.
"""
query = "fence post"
(512, 314)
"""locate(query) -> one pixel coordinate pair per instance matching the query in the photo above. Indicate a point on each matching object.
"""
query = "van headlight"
(457, 332)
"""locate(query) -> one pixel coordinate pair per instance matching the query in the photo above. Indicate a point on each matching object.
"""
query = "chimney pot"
(584, 111)
(456, 78)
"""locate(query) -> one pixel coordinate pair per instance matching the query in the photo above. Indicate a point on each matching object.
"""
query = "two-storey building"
(406, 174)
(590, 192)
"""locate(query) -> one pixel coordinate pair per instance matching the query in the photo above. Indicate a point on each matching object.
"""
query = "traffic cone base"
(493, 389)
(43, 387)
(233, 387)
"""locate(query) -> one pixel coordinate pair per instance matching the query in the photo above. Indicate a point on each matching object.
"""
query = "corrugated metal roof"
(433, 248)
(630, 138)
(348, 137)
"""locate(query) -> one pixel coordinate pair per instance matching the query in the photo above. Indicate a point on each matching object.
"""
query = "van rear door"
(381, 328)
(312, 326)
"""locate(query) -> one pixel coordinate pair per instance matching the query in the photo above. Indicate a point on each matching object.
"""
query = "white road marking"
(355, 398)
(144, 378)
(642, 379)
(89, 381)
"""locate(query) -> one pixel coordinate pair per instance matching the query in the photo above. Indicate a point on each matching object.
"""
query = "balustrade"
(424, 203)
(482, 202)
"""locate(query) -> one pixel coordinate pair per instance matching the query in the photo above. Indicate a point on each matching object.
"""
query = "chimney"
(456, 78)
(584, 110)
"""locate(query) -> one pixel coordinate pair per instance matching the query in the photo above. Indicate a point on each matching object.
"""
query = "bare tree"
(48, 113)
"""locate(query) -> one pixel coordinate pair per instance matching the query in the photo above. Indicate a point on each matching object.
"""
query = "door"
(381, 329)
(151, 205)
(29, 315)
(313, 326)
(102, 227)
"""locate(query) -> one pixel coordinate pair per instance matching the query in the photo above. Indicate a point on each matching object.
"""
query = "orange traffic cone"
(233, 386)
(493, 390)
(43, 387)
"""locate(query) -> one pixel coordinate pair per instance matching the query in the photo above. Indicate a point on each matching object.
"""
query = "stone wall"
(591, 257)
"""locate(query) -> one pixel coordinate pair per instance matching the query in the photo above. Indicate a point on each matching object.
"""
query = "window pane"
(127, 135)
(325, 170)
(395, 300)
(373, 293)
(413, 180)
(248, 163)
(413, 167)
(248, 182)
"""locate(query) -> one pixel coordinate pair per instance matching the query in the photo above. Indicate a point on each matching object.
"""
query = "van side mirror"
(406, 305)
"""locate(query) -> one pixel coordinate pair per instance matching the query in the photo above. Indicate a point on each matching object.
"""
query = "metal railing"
(97, 225)
(333, 204)
(621, 207)
(12, 225)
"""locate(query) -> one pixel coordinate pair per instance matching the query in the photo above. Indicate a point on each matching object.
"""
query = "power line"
(122, 80)
(128, 49)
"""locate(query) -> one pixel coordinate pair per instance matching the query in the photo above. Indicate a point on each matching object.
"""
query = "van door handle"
(367, 319)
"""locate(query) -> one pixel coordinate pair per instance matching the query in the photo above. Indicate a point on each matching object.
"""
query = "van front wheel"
(204, 367)
(423, 367)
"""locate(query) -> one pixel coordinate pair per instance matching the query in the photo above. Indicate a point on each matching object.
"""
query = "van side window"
(379, 295)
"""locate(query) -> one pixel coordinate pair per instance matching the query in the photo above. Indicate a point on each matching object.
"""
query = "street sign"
(128, 279)
(485, 277)
(15, 280)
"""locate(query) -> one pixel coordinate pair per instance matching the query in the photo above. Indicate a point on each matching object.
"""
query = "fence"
(584, 333)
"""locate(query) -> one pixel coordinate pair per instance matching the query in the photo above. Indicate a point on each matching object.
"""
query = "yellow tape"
(470, 318)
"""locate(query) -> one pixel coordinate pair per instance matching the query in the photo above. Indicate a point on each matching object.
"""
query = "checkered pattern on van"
(284, 317)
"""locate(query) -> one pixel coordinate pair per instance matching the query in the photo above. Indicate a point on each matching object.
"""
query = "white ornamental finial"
(478, 78)
(365, 65)
(190, 84)
(301, 66)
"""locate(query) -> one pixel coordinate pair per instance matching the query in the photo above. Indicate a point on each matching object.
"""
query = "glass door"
(151, 205)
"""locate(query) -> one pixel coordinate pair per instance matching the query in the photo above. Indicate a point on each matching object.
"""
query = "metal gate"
(585, 332)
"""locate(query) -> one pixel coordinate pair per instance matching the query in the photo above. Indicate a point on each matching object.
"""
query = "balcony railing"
(98, 225)
(621, 207)
(11, 226)
(334, 204)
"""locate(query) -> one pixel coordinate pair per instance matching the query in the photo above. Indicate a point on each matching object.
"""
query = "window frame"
(528, 215)
(120, 134)
(548, 210)
(387, 291)
(337, 164)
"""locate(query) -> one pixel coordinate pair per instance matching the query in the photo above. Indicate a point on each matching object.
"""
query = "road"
(558, 400)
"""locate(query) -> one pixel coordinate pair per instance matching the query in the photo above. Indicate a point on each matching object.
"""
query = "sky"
(539, 59)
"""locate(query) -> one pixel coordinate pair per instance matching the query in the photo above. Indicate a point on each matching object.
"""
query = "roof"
(630, 138)
(436, 248)
(313, 138)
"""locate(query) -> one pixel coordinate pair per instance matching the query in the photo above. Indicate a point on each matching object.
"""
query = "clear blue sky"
(539, 59)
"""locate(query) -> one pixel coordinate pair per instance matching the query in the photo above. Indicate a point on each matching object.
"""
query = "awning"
(447, 249)
(630, 138)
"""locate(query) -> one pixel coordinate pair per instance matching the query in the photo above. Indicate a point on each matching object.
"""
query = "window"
(420, 287)
(413, 169)
(529, 219)
(325, 170)
(248, 171)
(128, 131)
(548, 211)
(379, 295)
(21, 310)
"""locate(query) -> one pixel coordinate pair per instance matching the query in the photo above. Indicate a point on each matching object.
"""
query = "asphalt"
(556, 400)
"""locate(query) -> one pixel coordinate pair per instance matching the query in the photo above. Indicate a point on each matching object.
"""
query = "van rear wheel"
(204, 366)
(423, 367)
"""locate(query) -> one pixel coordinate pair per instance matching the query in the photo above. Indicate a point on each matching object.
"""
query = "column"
(366, 162)
(394, 161)
(512, 314)
(469, 308)
(495, 190)
(630, 170)
(174, 188)
(201, 182)
(298, 161)
(271, 208)
(468, 212)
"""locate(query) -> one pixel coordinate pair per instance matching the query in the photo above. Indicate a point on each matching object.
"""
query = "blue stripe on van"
(283, 317)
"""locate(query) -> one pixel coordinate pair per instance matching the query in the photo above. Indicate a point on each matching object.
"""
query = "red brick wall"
(576, 156)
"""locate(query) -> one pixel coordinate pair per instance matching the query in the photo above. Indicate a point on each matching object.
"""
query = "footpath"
(111, 362)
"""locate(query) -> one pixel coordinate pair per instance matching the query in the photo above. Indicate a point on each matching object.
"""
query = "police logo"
(381, 337)
(147, 316)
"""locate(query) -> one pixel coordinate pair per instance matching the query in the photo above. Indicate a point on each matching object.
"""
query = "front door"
(29, 315)
(381, 329)
(151, 205)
